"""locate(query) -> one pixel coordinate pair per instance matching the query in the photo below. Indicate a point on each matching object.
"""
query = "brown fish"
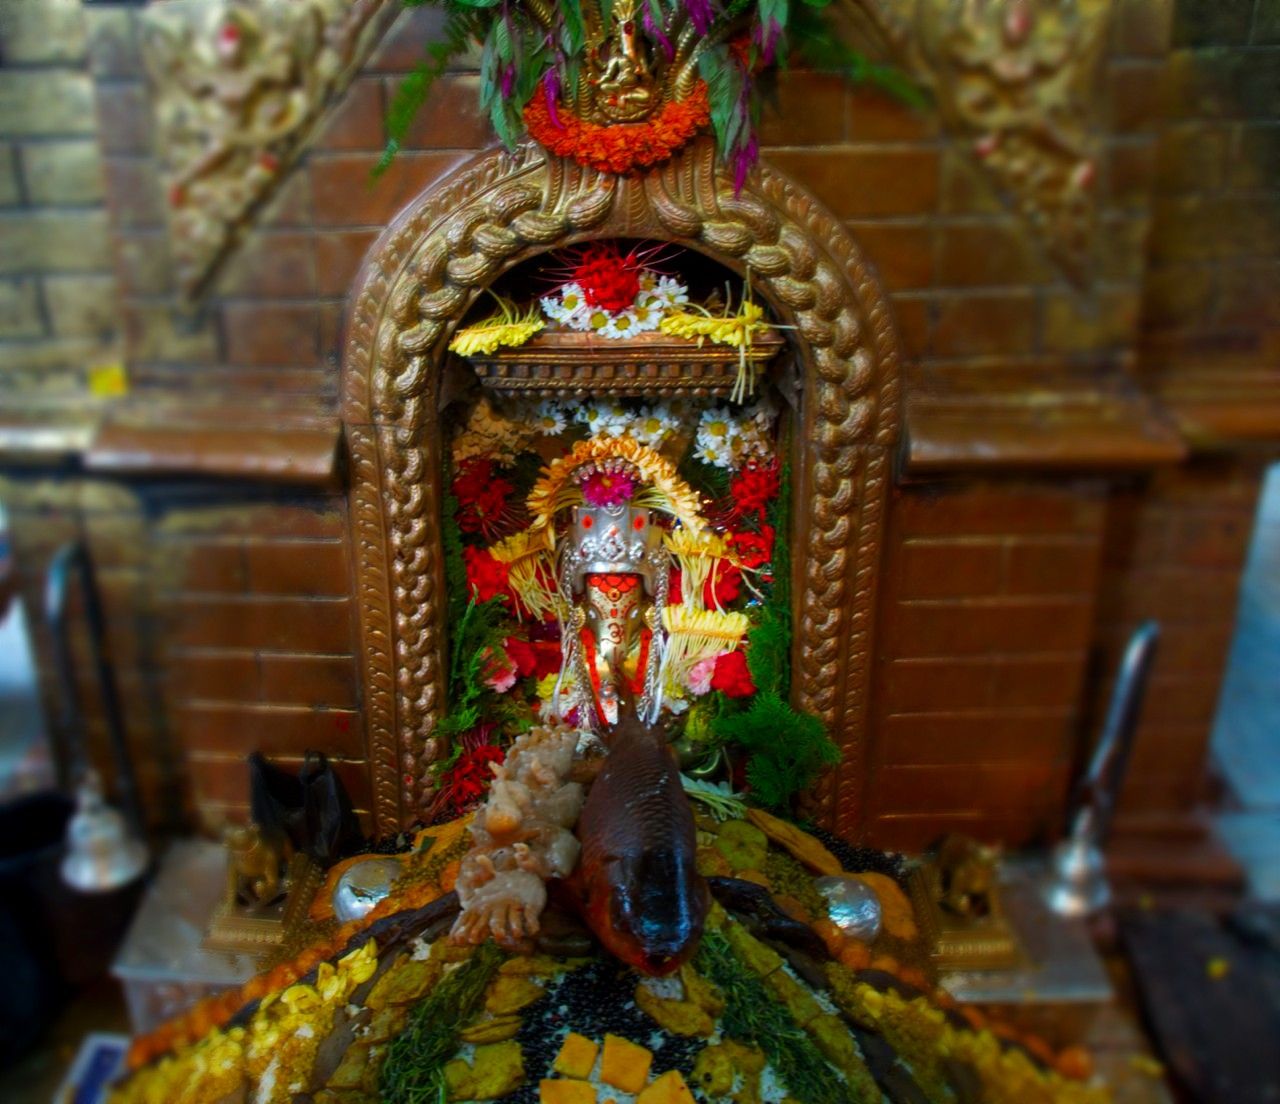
(637, 885)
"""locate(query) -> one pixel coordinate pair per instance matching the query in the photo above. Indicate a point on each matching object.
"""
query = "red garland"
(621, 149)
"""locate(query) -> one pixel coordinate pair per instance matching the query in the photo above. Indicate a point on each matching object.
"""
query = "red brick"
(345, 193)
(911, 315)
(310, 568)
(984, 324)
(403, 47)
(949, 568)
(987, 626)
(355, 123)
(222, 678)
(1037, 682)
(972, 254)
(1002, 789)
(278, 624)
(203, 567)
(975, 739)
(913, 685)
(876, 116)
(309, 680)
(338, 257)
(866, 184)
(810, 109)
(901, 252)
(985, 510)
(272, 264)
(272, 334)
(133, 191)
(967, 188)
(1052, 567)
(451, 117)
(1137, 95)
(225, 779)
(272, 730)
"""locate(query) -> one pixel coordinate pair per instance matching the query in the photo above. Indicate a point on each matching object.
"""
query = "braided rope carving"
(424, 274)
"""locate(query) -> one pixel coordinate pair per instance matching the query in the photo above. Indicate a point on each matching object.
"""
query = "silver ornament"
(853, 906)
(362, 886)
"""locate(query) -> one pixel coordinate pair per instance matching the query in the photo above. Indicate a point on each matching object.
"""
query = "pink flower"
(499, 672)
(699, 678)
(608, 488)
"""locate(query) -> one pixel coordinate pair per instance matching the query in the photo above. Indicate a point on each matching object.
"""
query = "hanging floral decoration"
(621, 85)
(621, 148)
(613, 295)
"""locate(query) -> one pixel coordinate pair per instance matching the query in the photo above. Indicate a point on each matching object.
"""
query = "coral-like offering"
(521, 838)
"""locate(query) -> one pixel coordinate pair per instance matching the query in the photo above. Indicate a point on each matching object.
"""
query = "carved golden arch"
(418, 281)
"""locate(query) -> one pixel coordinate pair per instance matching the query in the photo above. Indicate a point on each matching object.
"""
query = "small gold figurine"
(956, 895)
(254, 866)
(968, 872)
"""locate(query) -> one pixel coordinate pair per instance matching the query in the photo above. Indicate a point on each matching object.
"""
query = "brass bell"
(101, 854)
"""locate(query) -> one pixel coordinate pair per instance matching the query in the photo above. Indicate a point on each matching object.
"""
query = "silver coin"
(362, 886)
(853, 906)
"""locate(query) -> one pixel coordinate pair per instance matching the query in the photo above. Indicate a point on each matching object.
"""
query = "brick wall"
(986, 619)
(57, 291)
(231, 603)
(1212, 297)
(253, 607)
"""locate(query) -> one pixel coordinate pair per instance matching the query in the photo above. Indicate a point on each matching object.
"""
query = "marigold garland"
(619, 149)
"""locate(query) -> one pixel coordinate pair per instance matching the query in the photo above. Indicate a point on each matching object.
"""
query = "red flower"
(731, 676)
(623, 148)
(723, 585)
(482, 498)
(546, 658)
(469, 778)
(486, 577)
(675, 588)
(752, 549)
(521, 655)
(608, 280)
(753, 488)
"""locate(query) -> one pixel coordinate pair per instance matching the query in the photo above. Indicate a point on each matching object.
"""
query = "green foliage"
(718, 797)
(517, 52)
(414, 1069)
(461, 23)
(769, 638)
(455, 567)
(813, 38)
(787, 749)
(481, 628)
(754, 1016)
(707, 480)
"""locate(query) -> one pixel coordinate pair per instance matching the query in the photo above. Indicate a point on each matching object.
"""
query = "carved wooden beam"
(238, 88)
(1018, 80)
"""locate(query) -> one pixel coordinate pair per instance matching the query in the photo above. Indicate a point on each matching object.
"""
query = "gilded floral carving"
(238, 86)
(1018, 80)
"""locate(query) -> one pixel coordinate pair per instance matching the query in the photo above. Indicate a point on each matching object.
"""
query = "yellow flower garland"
(670, 494)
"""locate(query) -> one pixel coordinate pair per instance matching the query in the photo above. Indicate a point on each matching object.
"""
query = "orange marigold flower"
(626, 148)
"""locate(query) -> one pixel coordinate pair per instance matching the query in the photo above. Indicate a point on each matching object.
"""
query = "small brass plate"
(236, 930)
(958, 942)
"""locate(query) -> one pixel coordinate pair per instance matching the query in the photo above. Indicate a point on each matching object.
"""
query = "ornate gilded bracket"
(238, 87)
(1017, 80)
